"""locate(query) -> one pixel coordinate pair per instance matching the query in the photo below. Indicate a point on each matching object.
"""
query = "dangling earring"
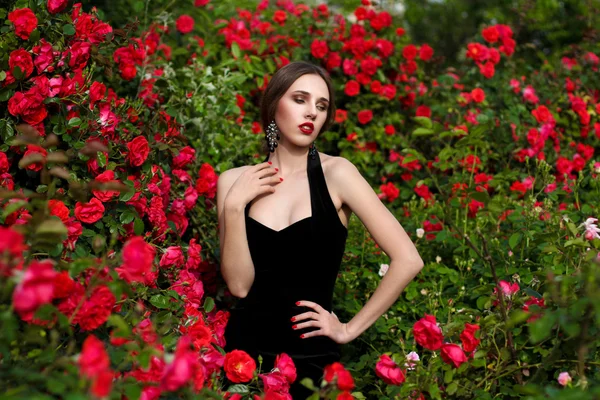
(312, 151)
(272, 136)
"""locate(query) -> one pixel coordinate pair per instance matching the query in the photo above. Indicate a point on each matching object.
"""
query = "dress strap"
(324, 213)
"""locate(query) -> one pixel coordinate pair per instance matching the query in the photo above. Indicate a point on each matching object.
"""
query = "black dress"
(299, 262)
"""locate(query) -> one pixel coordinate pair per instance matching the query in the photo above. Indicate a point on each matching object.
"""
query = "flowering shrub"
(112, 142)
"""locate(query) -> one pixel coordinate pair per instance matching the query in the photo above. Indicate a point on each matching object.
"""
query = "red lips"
(307, 128)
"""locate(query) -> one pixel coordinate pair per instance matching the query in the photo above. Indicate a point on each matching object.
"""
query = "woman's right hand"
(254, 181)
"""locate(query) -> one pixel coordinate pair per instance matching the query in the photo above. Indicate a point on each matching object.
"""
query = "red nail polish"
(270, 163)
(294, 326)
(297, 303)
(281, 179)
(276, 169)
(293, 319)
(302, 336)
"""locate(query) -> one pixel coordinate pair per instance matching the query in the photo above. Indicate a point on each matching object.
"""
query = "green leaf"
(422, 132)
(69, 30)
(235, 49)
(126, 217)
(515, 239)
(52, 227)
(138, 226)
(209, 304)
(424, 122)
(541, 328)
(133, 391)
(452, 388)
(160, 301)
(75, 121)
(2, 76)
(242, 389)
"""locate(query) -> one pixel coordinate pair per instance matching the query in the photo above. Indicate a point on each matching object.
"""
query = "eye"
(322, 108)
(299, 101)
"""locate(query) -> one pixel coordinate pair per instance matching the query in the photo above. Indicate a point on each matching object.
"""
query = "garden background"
(477, 123)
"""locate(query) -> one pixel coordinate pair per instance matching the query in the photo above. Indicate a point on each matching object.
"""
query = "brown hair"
(281, 82)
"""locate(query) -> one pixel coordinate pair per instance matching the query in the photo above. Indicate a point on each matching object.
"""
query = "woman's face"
(302, 110)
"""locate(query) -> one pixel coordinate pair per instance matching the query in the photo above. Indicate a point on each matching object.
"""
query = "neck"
(289, 159)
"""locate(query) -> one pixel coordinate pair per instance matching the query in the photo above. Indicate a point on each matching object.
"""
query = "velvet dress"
(299, 262)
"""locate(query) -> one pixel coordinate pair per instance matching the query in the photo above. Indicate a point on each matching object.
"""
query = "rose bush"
(112, 143)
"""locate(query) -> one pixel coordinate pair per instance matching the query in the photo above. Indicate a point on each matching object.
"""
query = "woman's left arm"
(405, 263)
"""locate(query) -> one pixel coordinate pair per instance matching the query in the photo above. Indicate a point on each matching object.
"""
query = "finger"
(306, 315)
(261, 166)
(307, 324)
(266, 172)
(266, 189)
(319, 332)
(312, 305)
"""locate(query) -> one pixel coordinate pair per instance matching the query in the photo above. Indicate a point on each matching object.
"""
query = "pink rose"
(453, 355)
(427, 333)
(173, 256)
(56, 6)
(36, 289)
(389, 371)
(138, 257)
(286, 365)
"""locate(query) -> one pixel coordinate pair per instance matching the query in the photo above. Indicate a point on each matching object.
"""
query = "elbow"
(238, 291)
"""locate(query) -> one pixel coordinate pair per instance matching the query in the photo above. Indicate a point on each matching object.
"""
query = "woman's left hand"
(321, 318)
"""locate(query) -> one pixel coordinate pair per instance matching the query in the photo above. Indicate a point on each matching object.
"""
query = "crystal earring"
(312, 151)
(272, 136)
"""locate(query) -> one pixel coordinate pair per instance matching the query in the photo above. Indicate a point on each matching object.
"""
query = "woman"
(283, 228)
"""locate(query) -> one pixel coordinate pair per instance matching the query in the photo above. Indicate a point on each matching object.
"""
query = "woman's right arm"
(236, 188)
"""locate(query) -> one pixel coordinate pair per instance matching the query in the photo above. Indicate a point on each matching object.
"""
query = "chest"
(289, 203)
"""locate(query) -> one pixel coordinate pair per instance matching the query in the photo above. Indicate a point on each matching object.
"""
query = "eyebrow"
(308, 94)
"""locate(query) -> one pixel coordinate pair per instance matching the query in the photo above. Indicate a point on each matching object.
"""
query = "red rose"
(389, 371)
(478, 95)
(89, 212)
(425, 52)
(280, 17)
(138, 257)
(33, 149)
(427, 333)
(239, 366)
(56, 6)
(453, 355)
(138, 151)
(29, 106)
(186, 155)
(491, 34)
(184, 24)
(352, 88)
(199, 3)
(423, 111)
(319, 48)
(364, 116)
(24, 21)
(340, 116)
(390, 191)
(390, 130)
(388, 91)
(93, 358)
(4, 165)
(22, 59)
(469, 341)
(409, 52)
(344, 378)
(286, 365)
(105, 195)
(206, 184)
(36, 289)
(58, 208)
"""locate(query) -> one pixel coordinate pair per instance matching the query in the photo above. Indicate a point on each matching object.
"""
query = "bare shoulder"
(339, 170)
(233, 173)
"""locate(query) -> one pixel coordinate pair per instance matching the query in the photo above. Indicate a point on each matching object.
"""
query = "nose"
(311, 111)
